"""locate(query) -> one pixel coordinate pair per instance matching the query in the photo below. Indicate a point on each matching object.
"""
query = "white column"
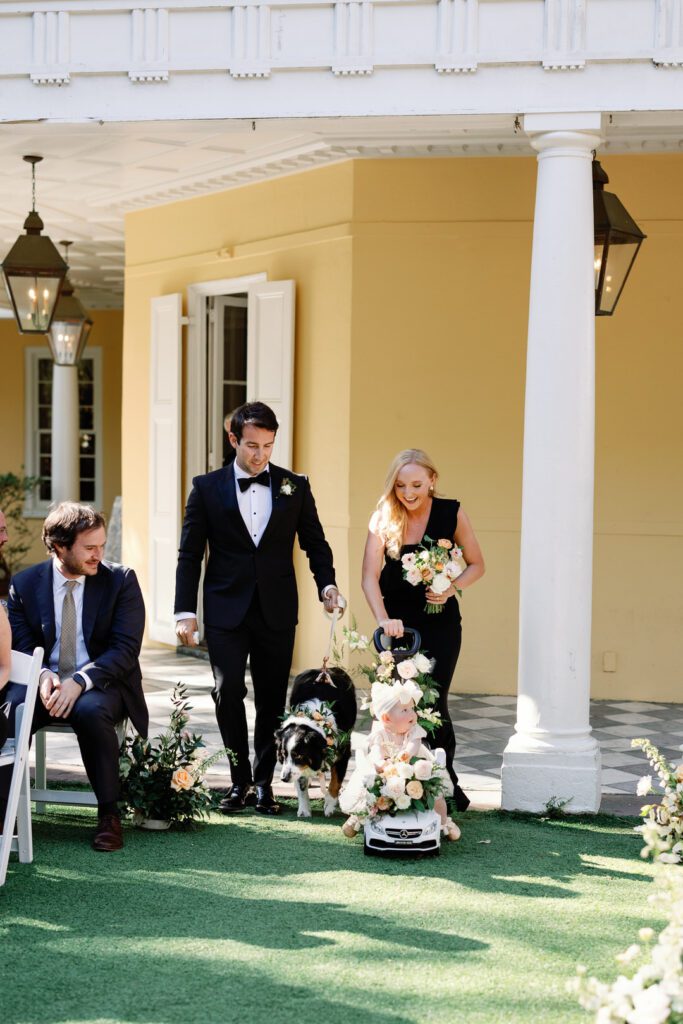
(552, 753)
(65, 437)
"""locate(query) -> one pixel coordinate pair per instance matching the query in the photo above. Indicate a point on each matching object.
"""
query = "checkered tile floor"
(482, 724)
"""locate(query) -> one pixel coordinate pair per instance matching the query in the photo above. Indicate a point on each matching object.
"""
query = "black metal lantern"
(33, 271)
(617, 241)
(71, 325)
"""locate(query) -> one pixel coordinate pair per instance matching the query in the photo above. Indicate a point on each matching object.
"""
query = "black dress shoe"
(266, 802)
(237, 798)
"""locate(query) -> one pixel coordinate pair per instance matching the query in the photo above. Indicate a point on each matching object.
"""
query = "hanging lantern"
(617, 241)
(71, 325)
(33, 271)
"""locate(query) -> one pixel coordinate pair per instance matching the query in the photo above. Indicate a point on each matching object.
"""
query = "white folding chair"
(41, 794)
(26, 670)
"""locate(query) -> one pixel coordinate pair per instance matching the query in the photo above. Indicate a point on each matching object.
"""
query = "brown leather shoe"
(108, 836)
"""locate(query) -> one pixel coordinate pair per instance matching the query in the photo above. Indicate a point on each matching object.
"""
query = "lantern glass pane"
(620, 256)
(65, 339)
(34, 300)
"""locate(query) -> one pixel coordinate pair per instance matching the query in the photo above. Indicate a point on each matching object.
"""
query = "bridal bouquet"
(163, 780)
(403, 784)
(434, 565)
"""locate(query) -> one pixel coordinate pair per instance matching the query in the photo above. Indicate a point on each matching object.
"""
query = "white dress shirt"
(58, 591)
(255, 504)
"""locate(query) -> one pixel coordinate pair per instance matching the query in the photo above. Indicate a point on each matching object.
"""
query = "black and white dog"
(321, 711)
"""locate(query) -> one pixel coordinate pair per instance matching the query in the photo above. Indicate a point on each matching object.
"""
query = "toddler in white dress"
(394, 732)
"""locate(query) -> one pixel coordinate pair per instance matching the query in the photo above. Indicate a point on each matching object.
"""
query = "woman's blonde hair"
(393, 517)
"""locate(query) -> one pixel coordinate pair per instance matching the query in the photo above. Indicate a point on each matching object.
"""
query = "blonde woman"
(409, 510)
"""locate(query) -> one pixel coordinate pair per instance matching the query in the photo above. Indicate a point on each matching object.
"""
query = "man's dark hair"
(65, 522)
(255, 414)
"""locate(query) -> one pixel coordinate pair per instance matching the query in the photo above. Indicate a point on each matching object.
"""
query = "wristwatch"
(78, 678)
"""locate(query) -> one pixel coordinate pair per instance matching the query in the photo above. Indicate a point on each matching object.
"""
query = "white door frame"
(195, 388)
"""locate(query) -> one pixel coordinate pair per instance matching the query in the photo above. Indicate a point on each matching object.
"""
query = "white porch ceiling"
(93, 173)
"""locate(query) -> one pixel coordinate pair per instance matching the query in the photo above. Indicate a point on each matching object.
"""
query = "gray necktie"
(67, 639)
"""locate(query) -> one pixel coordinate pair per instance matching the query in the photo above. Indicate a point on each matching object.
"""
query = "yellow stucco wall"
(106, 334)
(413, 276)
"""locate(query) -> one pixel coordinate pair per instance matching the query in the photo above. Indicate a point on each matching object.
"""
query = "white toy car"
(411, 833)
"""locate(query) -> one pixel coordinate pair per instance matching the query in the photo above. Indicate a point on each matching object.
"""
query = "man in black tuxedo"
(250, 513)
(89, 617)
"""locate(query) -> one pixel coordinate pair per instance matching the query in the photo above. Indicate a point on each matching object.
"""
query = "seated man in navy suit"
(89, 617)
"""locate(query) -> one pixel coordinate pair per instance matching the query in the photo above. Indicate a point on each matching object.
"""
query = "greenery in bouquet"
(434, 564)
(390, 666)
(662, 828)
(163, 779)
(403, 784)
(653, 994)
(322, 718)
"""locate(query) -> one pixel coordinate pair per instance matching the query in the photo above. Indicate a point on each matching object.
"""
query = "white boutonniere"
(287, 487)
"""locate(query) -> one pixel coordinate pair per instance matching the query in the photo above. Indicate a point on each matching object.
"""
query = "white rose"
(403, 802)
(394, 787)
(387, 658)
(644, 785)
(422, 663)
(453, 570)
(651, 1006)
(422, 770)
(414, 576)
(406, 669)
(405, 770)
(384, 672)
(440, 583)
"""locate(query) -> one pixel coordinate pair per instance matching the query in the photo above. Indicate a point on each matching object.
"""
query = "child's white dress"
(382, 744)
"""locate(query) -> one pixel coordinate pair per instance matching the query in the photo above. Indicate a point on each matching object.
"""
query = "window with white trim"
(38, 438)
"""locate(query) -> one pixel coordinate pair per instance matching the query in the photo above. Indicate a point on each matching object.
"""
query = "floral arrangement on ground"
(163, 779)
(653, 994)
(403, 784)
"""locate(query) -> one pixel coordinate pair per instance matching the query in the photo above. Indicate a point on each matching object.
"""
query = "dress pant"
(93, 718)
(270, 657)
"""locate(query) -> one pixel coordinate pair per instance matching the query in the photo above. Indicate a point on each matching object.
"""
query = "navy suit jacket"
(236, 567)
(113, 625)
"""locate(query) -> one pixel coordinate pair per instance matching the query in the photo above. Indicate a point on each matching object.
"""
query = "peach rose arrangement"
(403, 784)
(163, 779)
(435, 564)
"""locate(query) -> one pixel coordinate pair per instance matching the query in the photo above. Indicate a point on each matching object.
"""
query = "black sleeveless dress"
(441, 633)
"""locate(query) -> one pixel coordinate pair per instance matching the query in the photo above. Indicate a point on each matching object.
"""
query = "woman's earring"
(431, 491)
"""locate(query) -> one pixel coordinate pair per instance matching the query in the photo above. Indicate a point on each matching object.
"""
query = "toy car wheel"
(368, 850)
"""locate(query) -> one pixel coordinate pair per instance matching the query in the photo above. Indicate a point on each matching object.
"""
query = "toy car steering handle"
(407, 646)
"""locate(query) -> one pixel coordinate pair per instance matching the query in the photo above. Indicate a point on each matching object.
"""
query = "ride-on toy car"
(412, 832)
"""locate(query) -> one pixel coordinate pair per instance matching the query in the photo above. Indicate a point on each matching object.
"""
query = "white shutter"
(270, 357)
(164, 464)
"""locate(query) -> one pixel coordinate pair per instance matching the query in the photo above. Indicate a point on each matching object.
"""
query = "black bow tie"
(247, 481)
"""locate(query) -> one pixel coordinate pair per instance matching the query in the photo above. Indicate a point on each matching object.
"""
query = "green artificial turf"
(267, 921)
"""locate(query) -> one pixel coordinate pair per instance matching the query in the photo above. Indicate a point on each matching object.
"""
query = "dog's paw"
(331, 806)
(304, 812)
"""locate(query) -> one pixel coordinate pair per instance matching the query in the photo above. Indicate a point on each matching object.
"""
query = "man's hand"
(334, 600)
(185, 630)
(48, 681)
(63, 697)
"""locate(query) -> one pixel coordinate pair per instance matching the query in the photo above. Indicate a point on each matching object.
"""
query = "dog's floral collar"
(320, 718)
(287, 487)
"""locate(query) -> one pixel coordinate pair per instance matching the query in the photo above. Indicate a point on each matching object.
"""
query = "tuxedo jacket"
(237, 568)
(113, 624)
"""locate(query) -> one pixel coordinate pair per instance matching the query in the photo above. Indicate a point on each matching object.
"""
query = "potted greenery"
(13, 492)
(162, 780)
